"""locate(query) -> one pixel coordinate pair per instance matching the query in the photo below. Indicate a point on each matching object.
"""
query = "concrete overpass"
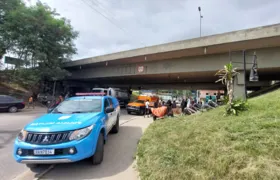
(188, 64)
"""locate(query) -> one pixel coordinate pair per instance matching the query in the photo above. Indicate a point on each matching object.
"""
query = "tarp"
(159, 112)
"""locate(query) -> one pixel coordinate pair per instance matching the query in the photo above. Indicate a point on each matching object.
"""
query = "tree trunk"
(230, 91)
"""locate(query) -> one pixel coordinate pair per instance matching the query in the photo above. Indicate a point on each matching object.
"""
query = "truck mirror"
(109, 109)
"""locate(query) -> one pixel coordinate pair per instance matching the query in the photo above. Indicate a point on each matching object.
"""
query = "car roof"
(89, 97)
(85, 97)
(5, 96)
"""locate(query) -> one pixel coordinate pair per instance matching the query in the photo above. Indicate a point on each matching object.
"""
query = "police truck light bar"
(90, 94)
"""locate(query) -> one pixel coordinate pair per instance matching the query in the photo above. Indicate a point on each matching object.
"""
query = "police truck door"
(114, 113)
(109, 116)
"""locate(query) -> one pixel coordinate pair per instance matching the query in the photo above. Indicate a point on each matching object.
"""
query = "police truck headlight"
(81, 133)
(22, 135)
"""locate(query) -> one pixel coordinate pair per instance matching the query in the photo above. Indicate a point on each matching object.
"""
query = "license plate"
(44, 152)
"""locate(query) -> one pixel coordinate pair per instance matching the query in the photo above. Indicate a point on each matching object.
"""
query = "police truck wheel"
(116, 127)
(13, 109)
(31, 166)
(97, 158)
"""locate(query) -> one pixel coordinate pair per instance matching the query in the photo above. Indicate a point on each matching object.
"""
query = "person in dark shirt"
(174, 104)
(169, 108)
(156, 104)
(183, 105)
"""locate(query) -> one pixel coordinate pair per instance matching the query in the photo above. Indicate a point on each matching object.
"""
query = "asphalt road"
(118, 158)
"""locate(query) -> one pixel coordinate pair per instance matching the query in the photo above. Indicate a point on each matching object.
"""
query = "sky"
(138, 23)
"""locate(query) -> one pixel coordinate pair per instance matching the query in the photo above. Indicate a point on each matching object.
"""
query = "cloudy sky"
(138, 23)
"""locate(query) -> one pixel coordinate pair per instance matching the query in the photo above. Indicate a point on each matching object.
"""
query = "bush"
(236, 107)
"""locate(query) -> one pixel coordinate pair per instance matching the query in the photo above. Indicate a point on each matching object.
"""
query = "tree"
(7, 7)
(38, 36)
(226, 76)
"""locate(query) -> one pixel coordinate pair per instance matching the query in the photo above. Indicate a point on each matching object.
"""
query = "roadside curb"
(22, 175)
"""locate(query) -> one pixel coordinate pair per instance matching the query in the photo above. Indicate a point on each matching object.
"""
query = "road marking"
(131, 119)
(22, 175)
(45, 172)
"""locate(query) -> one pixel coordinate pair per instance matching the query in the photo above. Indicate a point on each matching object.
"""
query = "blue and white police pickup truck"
(76, 129)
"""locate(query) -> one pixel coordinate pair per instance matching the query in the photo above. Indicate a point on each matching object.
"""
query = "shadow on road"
(7, 136)
(119, 155)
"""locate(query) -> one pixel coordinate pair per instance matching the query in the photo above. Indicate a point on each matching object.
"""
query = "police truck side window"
(106, 103)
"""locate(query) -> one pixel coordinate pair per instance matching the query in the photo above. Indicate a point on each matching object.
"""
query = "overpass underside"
(196, 72)
(184, 80)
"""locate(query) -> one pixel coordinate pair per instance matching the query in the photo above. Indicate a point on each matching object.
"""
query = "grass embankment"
(210, 146)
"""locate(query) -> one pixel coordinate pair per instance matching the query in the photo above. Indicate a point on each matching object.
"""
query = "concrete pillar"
(239, 86)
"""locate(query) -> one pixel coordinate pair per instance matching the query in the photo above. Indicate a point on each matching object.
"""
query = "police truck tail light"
(81, 133)
(22, 135)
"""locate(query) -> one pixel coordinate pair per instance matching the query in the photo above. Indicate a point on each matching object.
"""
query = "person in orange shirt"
(31, 102)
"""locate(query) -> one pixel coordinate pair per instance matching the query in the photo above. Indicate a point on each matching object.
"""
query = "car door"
(114, 113)
(109, 116)
(4, 104)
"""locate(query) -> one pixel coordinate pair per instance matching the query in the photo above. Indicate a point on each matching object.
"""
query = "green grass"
(211, 146)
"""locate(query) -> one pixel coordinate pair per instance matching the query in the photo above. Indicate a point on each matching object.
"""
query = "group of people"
(57, 101)
(160, 103)
(189, 106)
(32, 99)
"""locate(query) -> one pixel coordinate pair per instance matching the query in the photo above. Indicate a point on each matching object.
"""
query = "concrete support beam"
(267, 58)
(189, 86)
(239, 86)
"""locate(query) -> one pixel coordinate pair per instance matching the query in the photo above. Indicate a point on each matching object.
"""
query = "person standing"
(188, 102)
(147, 110)
(159, 103)
(169, 108)
(183, 105)
(174, 105)
(57, 102)
(156, 104)
(31, 102)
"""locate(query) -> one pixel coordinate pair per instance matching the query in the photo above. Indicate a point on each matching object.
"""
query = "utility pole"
(200, 18)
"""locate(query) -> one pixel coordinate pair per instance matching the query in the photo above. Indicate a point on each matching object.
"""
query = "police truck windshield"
(79, 106)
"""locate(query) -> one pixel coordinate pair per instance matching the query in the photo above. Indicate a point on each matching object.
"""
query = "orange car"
(138, 106)
(151, 99)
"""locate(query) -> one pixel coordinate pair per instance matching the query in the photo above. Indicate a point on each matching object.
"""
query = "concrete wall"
(203, 93)
(267, 58)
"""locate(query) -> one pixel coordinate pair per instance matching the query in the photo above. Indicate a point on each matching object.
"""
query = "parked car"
(152, 99)
(123, 96)
(137, 107)
(76, 129)
(10, 104)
